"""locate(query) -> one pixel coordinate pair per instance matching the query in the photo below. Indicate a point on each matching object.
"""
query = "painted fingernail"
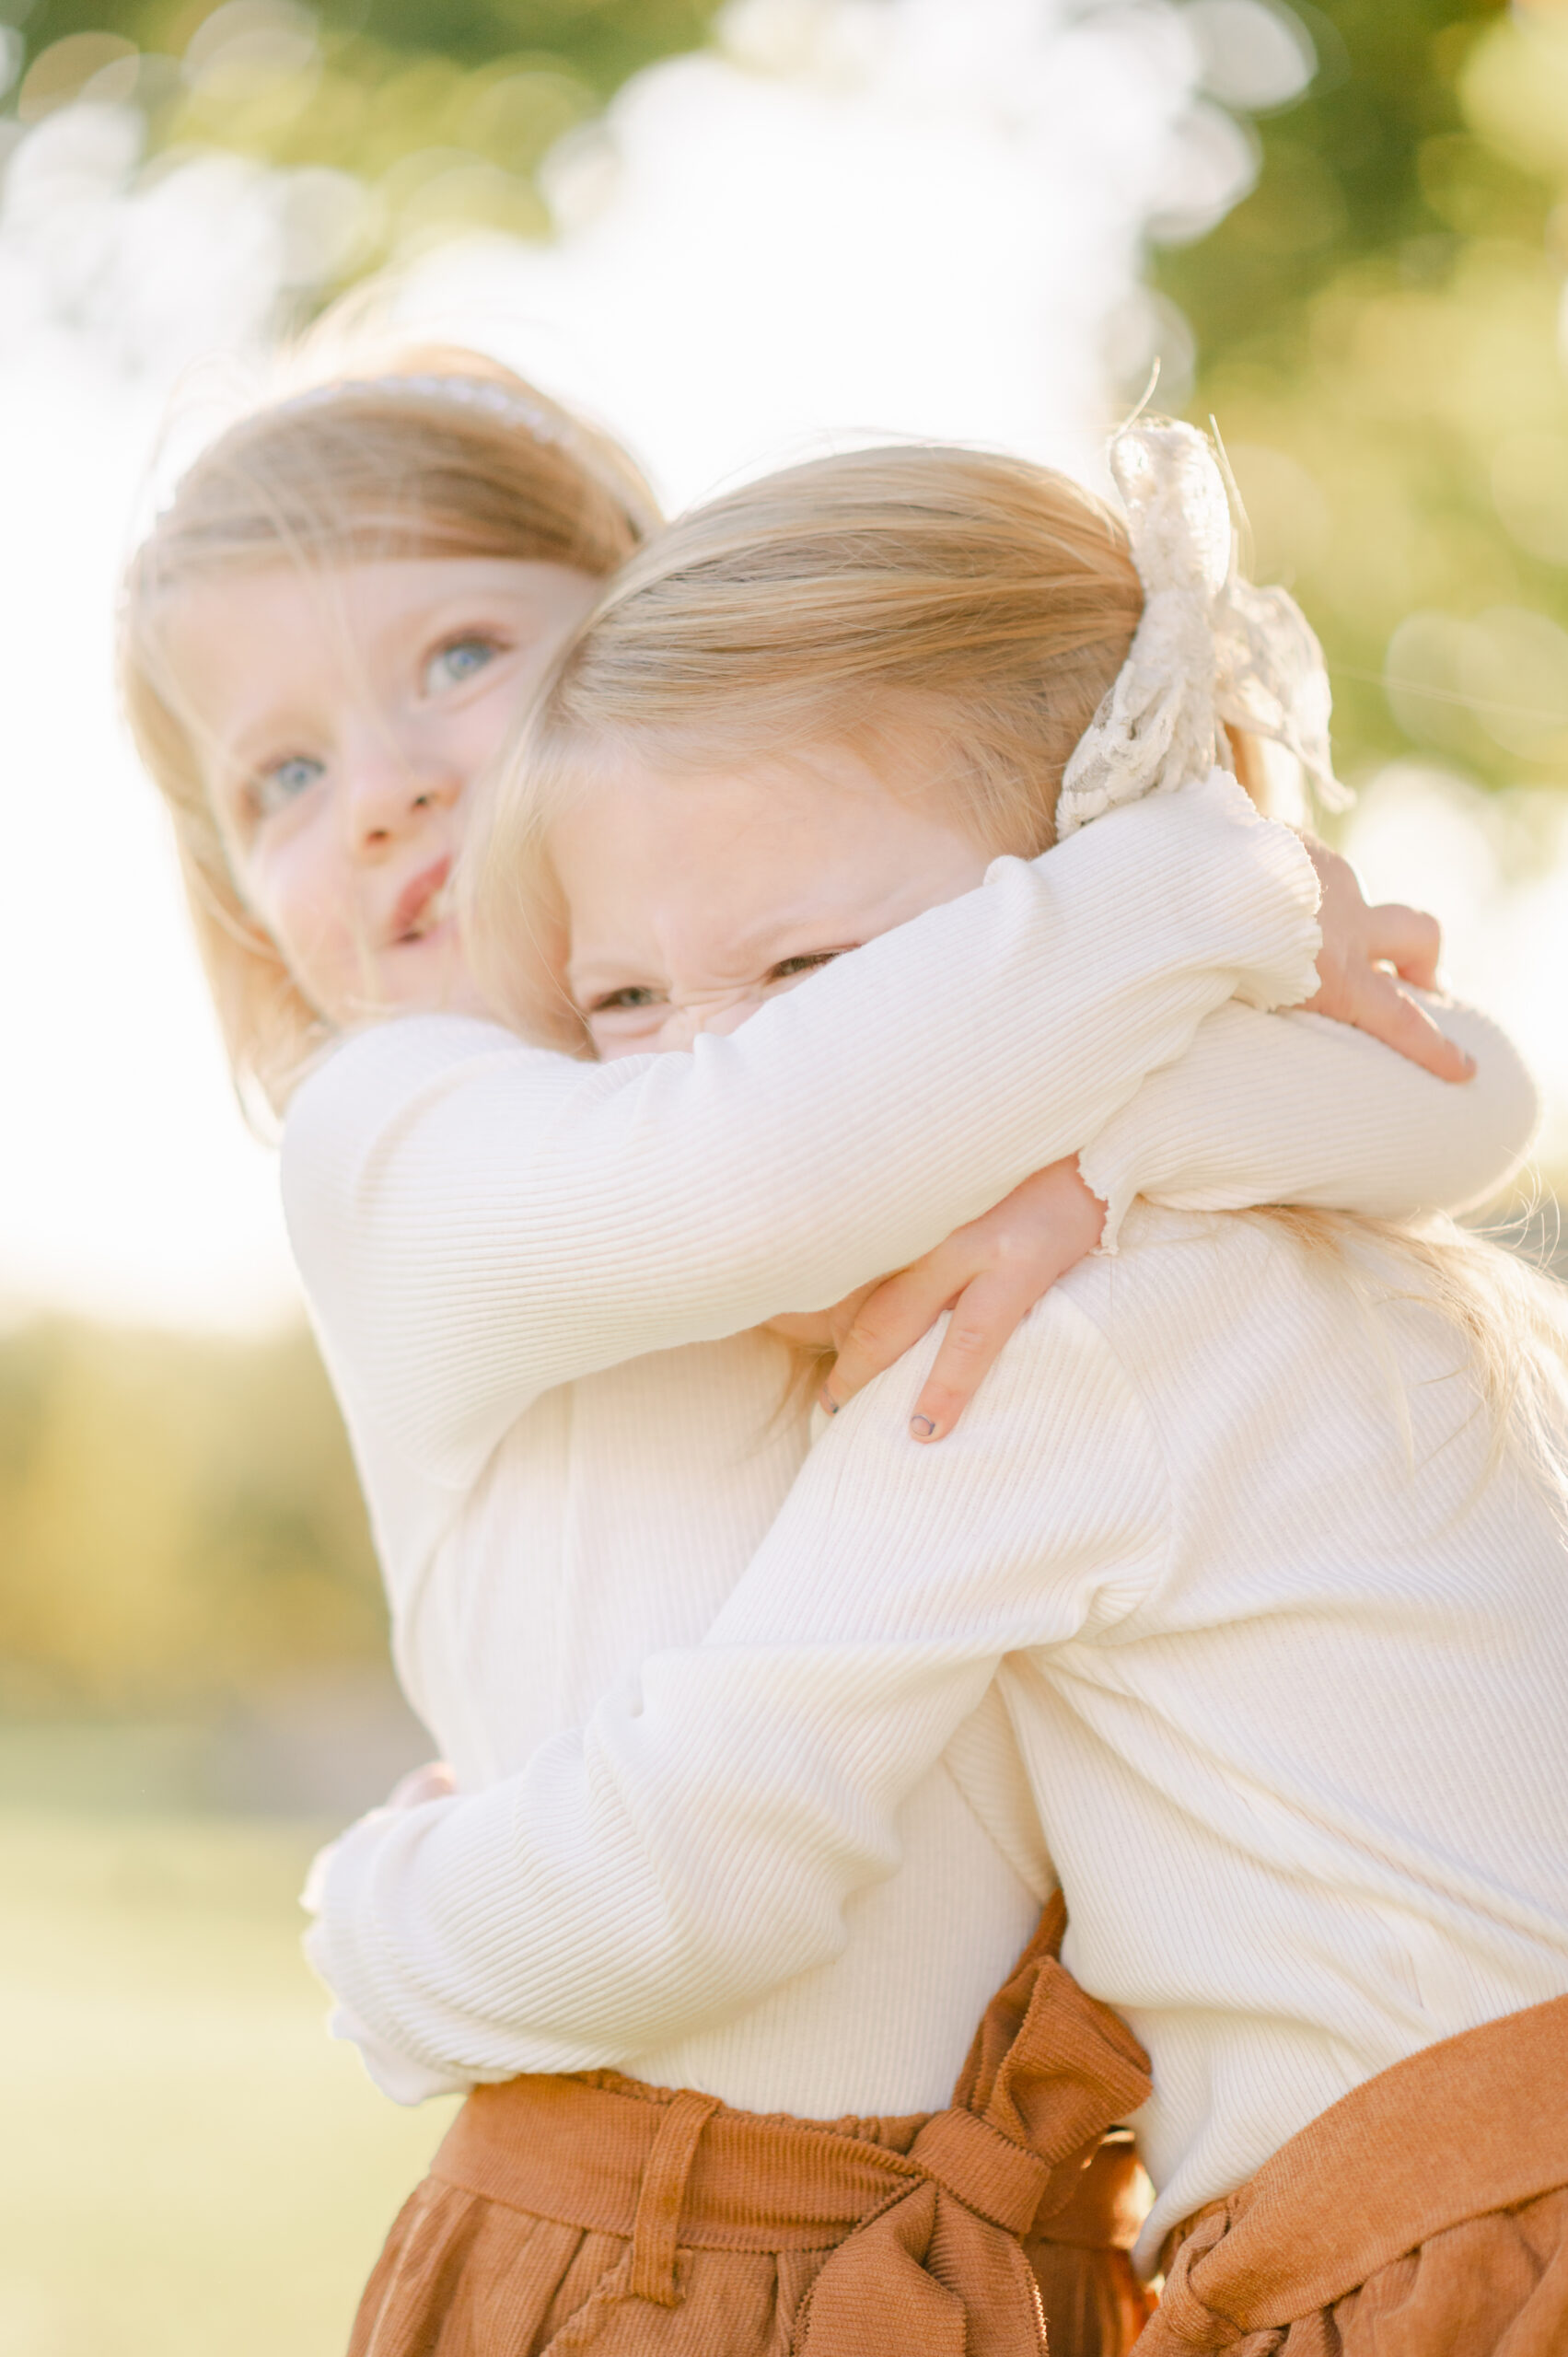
(826, 1401)
(923, 1427)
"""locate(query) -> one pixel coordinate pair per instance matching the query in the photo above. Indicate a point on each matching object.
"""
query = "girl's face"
(691, 901)
(343, 715)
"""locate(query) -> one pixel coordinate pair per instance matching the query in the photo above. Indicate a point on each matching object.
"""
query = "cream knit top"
(489, 1232)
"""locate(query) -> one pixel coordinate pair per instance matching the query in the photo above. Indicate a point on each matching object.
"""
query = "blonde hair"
(985, 600)
(442, 452)
(1510, 1318)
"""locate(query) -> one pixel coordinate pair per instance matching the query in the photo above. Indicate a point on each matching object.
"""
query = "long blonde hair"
(440, 452)
(980, 599)
(985, 600)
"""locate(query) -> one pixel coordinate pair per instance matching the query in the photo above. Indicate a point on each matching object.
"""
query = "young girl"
(323, 638)
(1257, 1528)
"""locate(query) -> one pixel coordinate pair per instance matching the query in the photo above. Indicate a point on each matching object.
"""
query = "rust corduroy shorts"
(594, 2213)
(1424, 2215)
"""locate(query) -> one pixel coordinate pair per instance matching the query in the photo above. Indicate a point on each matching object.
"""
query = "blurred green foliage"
(1376, 324)
(178, 1522)
(443, 114)
(1378, 333)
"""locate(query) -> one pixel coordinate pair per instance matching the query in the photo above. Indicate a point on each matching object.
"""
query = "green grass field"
(189, 2166)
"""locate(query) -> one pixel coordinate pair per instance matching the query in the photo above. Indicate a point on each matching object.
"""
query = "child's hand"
(1360, 945)
(989, 1274)
(435, 1781)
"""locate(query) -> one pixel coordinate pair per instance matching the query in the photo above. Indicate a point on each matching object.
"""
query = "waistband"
(592, 2155)
(1473, 2124)
(956, 2192)
(584, 2152)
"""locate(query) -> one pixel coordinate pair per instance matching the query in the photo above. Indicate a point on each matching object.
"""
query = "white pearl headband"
(476, 394)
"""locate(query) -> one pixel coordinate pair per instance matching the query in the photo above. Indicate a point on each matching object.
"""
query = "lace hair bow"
(1209, 649)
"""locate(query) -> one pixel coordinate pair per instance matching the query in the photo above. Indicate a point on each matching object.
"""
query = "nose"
(390, 793)
(717, 1015)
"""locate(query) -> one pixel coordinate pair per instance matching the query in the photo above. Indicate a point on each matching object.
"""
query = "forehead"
(285, 599)
(721, 861)
(626, 815)
(241, 642)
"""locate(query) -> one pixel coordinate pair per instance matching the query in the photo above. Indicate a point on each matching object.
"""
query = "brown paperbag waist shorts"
(594, 2213)
(1426, 2214)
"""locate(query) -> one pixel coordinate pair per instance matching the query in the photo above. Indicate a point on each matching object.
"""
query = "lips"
(423, 903)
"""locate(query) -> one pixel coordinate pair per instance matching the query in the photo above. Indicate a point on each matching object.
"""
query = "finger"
(1408, 939)
(986, 1316)
(891, 1320)
(435, 1781)
(1380, 1006)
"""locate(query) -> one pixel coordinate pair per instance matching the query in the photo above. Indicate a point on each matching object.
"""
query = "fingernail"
(826, 1401)
(923, 1427)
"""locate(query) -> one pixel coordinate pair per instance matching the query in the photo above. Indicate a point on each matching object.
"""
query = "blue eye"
(450, 666)
(285, 782)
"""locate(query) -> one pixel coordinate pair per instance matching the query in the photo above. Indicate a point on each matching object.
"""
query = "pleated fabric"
(1424, 2215)
(596, 2213)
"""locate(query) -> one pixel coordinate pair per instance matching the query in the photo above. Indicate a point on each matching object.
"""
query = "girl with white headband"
(894, 652)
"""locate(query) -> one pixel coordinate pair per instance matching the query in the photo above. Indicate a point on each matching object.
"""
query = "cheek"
(475, 737)
(302, 903)
(611, 1046)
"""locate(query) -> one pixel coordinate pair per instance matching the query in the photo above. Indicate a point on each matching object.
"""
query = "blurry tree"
(408, 119)
(179, 1520)
(1375, 325)
(1377, 331)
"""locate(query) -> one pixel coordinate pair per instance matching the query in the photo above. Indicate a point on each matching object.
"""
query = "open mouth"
(426, 902)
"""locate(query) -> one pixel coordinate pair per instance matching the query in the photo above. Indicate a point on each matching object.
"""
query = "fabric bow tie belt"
(886, 2236)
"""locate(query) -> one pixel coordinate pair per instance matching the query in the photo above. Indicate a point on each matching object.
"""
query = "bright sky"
(921, 219)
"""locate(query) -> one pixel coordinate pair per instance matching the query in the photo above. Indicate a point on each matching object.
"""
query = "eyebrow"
(601, 974)
(234, 756)
(241, 747)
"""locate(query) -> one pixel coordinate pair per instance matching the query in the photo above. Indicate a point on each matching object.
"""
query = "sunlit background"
(734, 235)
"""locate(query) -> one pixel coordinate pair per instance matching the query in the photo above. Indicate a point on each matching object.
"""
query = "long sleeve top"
(486, 1230)
(1282, 1645)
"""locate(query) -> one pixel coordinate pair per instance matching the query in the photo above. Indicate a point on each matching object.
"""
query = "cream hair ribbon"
(1209, 649)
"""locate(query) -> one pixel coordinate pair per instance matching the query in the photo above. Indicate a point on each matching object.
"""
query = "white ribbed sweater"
(1287, 1681)
(482, 1226)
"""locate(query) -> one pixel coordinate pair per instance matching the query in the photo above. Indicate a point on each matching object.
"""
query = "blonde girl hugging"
(538, 1277)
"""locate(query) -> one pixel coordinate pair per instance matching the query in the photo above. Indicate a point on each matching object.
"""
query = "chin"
(428, 973)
